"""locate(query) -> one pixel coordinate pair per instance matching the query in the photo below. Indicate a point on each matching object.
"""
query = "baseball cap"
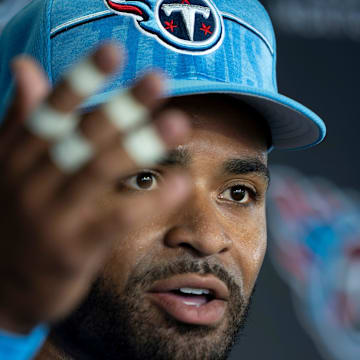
(203, 46)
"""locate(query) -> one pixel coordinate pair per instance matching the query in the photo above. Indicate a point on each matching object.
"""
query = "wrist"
(16, 346)
(16, 325)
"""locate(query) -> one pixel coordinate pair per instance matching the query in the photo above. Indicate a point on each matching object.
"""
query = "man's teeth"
(194, 291)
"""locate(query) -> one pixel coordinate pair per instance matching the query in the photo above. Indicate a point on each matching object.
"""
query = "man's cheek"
(249, 251)
(260, 245)
(117, 269)
(126, 254)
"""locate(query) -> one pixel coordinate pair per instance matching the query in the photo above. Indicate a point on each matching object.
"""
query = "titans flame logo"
(189, 26)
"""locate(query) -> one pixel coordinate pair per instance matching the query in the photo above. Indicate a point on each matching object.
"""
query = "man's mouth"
(192, 299)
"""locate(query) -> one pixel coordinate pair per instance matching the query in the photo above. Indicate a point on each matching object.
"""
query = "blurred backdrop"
(307, 302)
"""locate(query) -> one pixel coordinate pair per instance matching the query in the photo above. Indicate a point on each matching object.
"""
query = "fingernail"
(173, 127)
(149, 89)
(108, 57)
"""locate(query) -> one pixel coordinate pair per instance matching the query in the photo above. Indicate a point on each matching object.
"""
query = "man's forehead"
(222, 115)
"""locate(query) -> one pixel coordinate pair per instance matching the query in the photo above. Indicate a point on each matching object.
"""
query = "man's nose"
(199, 227)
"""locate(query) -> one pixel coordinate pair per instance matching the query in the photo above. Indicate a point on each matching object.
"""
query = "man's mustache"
(185, 265)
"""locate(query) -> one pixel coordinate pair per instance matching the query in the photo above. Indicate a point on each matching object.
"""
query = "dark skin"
(60, 229)
(50, 251)
(222, 225)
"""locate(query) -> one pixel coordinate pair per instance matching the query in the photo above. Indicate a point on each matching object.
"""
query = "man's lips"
(204, 309)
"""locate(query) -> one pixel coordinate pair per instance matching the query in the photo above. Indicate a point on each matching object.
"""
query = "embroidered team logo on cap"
(189, 26)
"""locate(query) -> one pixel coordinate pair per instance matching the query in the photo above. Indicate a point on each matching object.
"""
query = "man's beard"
(126, 326)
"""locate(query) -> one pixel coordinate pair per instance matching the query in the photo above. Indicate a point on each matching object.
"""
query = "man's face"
(178, 286)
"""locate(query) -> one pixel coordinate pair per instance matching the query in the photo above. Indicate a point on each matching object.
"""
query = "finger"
(31, 87)
(55, 118)
(120, 216)
(85, 78)
(62, 99)
(41, 189)
(172, 128)
(98, 131)
(123, 112)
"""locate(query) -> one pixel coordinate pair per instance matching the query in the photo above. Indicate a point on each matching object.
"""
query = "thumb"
(31, 86)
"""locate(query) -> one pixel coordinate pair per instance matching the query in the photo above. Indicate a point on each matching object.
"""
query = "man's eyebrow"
(247, 166)
(177, 157)
(182, 157)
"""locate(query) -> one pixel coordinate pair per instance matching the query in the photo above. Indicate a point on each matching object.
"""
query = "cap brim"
(293, 126)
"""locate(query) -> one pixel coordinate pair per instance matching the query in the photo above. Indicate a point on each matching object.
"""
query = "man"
(170, 242)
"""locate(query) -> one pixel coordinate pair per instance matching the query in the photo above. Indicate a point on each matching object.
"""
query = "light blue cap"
(204, 46)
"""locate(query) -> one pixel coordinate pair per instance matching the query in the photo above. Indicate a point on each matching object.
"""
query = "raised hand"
(57, 165)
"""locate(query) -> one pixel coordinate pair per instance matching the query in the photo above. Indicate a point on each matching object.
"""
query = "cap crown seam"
(48, 39)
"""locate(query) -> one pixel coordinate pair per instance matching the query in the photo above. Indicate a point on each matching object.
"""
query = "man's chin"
(131, 325)
(139, 330)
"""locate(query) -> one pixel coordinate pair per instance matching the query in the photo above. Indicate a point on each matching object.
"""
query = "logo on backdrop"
(189, 26)
(315, 230)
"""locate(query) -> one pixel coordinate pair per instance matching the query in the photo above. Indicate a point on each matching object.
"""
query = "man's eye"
(142, 181)
(237, 193)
